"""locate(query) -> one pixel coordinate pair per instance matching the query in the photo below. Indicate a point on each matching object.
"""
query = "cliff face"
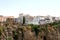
(28, 35)
(25, 33)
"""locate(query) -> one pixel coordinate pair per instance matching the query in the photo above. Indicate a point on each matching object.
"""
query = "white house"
(57, 18)
(49, 19)
(39, 20)
(20, 18)
(28, 19)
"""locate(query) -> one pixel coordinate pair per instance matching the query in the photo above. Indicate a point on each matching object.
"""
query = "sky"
(31, 7)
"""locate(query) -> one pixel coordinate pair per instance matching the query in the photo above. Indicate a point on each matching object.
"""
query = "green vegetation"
(36, 29)
(15, 35)
(1, 29)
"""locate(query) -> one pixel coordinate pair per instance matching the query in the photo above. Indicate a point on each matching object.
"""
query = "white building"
(57, 18)
(39, 20)
(49, 19)
(28, 19)
(42, 20)
(20, 18)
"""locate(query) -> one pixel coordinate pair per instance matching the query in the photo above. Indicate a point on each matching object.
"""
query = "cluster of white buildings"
(38, 20)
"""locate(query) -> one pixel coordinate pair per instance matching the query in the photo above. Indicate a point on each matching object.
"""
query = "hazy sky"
(32, 7)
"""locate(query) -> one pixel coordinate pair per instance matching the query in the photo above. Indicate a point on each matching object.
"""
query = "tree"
(36, 29)
(23, 20)
(15, 36)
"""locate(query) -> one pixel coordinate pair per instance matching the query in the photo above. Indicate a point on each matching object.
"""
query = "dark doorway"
(44, 38)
